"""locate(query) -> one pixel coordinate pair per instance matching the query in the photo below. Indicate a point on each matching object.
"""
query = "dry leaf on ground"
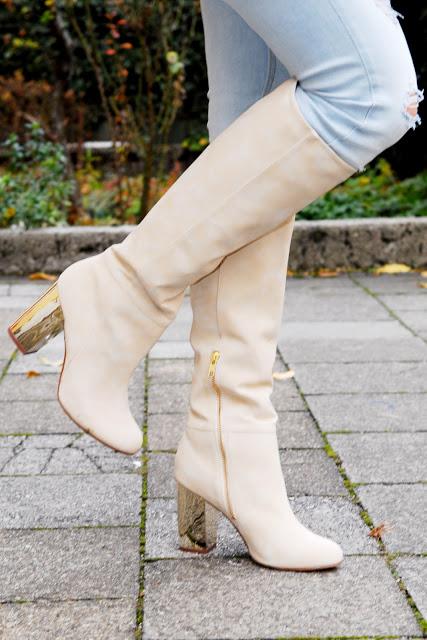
(283, 375)
(376, 532)
(327, 273)
(50, 363)
(32, 374)
(394, 267)
(423, 285)
(40, 275)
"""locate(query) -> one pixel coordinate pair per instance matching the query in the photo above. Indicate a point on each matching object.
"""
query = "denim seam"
(368, 75)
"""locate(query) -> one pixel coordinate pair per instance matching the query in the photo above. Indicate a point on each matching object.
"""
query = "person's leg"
(241, 70)
(353, 66)
(236, 319)
(267, 165)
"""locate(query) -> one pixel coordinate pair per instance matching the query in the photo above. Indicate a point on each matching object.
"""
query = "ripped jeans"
(357, 84)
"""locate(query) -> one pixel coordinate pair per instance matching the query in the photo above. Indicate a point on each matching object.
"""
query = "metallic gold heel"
(197, 522)
(38, 323)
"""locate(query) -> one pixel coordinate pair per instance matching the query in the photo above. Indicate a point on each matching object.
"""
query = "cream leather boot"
(268, 164)
(228, 456)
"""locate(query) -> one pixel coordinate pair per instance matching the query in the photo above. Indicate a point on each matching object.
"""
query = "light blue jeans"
(357, 84)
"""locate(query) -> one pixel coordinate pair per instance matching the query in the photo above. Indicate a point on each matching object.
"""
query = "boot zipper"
(212, 369)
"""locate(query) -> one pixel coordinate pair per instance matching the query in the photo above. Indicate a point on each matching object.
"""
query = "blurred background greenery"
(103, 104)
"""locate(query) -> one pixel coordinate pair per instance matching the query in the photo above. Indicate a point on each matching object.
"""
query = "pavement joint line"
(6, 367)
(387, 483)
(48, 461)
(48, 600)
(139, 614)
(388, 431)
(73, 527)
(173, 451)
(392, 313)
(365, 515)
(369, 393)
(68, 475)
(246, 556)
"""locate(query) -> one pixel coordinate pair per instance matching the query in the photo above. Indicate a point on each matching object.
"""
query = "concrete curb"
(350, 244)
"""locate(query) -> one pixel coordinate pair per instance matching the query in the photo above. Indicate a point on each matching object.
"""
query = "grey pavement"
(88, 541)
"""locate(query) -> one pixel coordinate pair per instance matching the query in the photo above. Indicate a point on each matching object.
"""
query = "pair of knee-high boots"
(225, 228)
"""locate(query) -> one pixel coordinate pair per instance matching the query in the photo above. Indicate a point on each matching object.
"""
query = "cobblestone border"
(348, 244)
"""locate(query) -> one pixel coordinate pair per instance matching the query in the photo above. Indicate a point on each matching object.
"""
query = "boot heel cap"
(39, 323)
(197, 522)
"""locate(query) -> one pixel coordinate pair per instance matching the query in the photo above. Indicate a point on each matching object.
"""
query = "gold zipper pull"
(212, 365)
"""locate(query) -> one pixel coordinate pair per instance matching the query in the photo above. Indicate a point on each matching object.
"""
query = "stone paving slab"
(372, 377)
(65, 462)
(407, 283)
(22, 410)
(381, 350)
(17, 303)
(370, 412)
(176, 332)
(341, 284)
(306, 472)
(74, 564)
(29, 462)
(37, 416)
(325, 306)
(402, 302)
(169, 398)
(165, 429)
(6, 345)
(70, 501)
(167, 350)
(213, 598)
(31, 289)
(168, 371)
(295, 429)
(91, 620)
(342, 331)
(415, 320)
(48, 359)
(310, 472)
(382, 457)
(61, 455)
(336, 518)
(402, 506)
(414, 574)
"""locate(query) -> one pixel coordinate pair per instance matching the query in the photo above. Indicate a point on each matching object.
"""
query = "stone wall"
(352, 244)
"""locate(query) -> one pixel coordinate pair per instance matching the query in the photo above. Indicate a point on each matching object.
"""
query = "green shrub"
(377, 192)
(34, 190)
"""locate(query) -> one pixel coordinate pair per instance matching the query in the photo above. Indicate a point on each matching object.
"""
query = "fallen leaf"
(376, 532)
(32, 374)
(394, 267)
(283, 375)
(40, 275)
(423, 274)
(50, 363)
(423, 285)
(327, 273)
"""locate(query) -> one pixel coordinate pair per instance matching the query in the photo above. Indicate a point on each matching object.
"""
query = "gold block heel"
(197, 522)
(39, 323)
